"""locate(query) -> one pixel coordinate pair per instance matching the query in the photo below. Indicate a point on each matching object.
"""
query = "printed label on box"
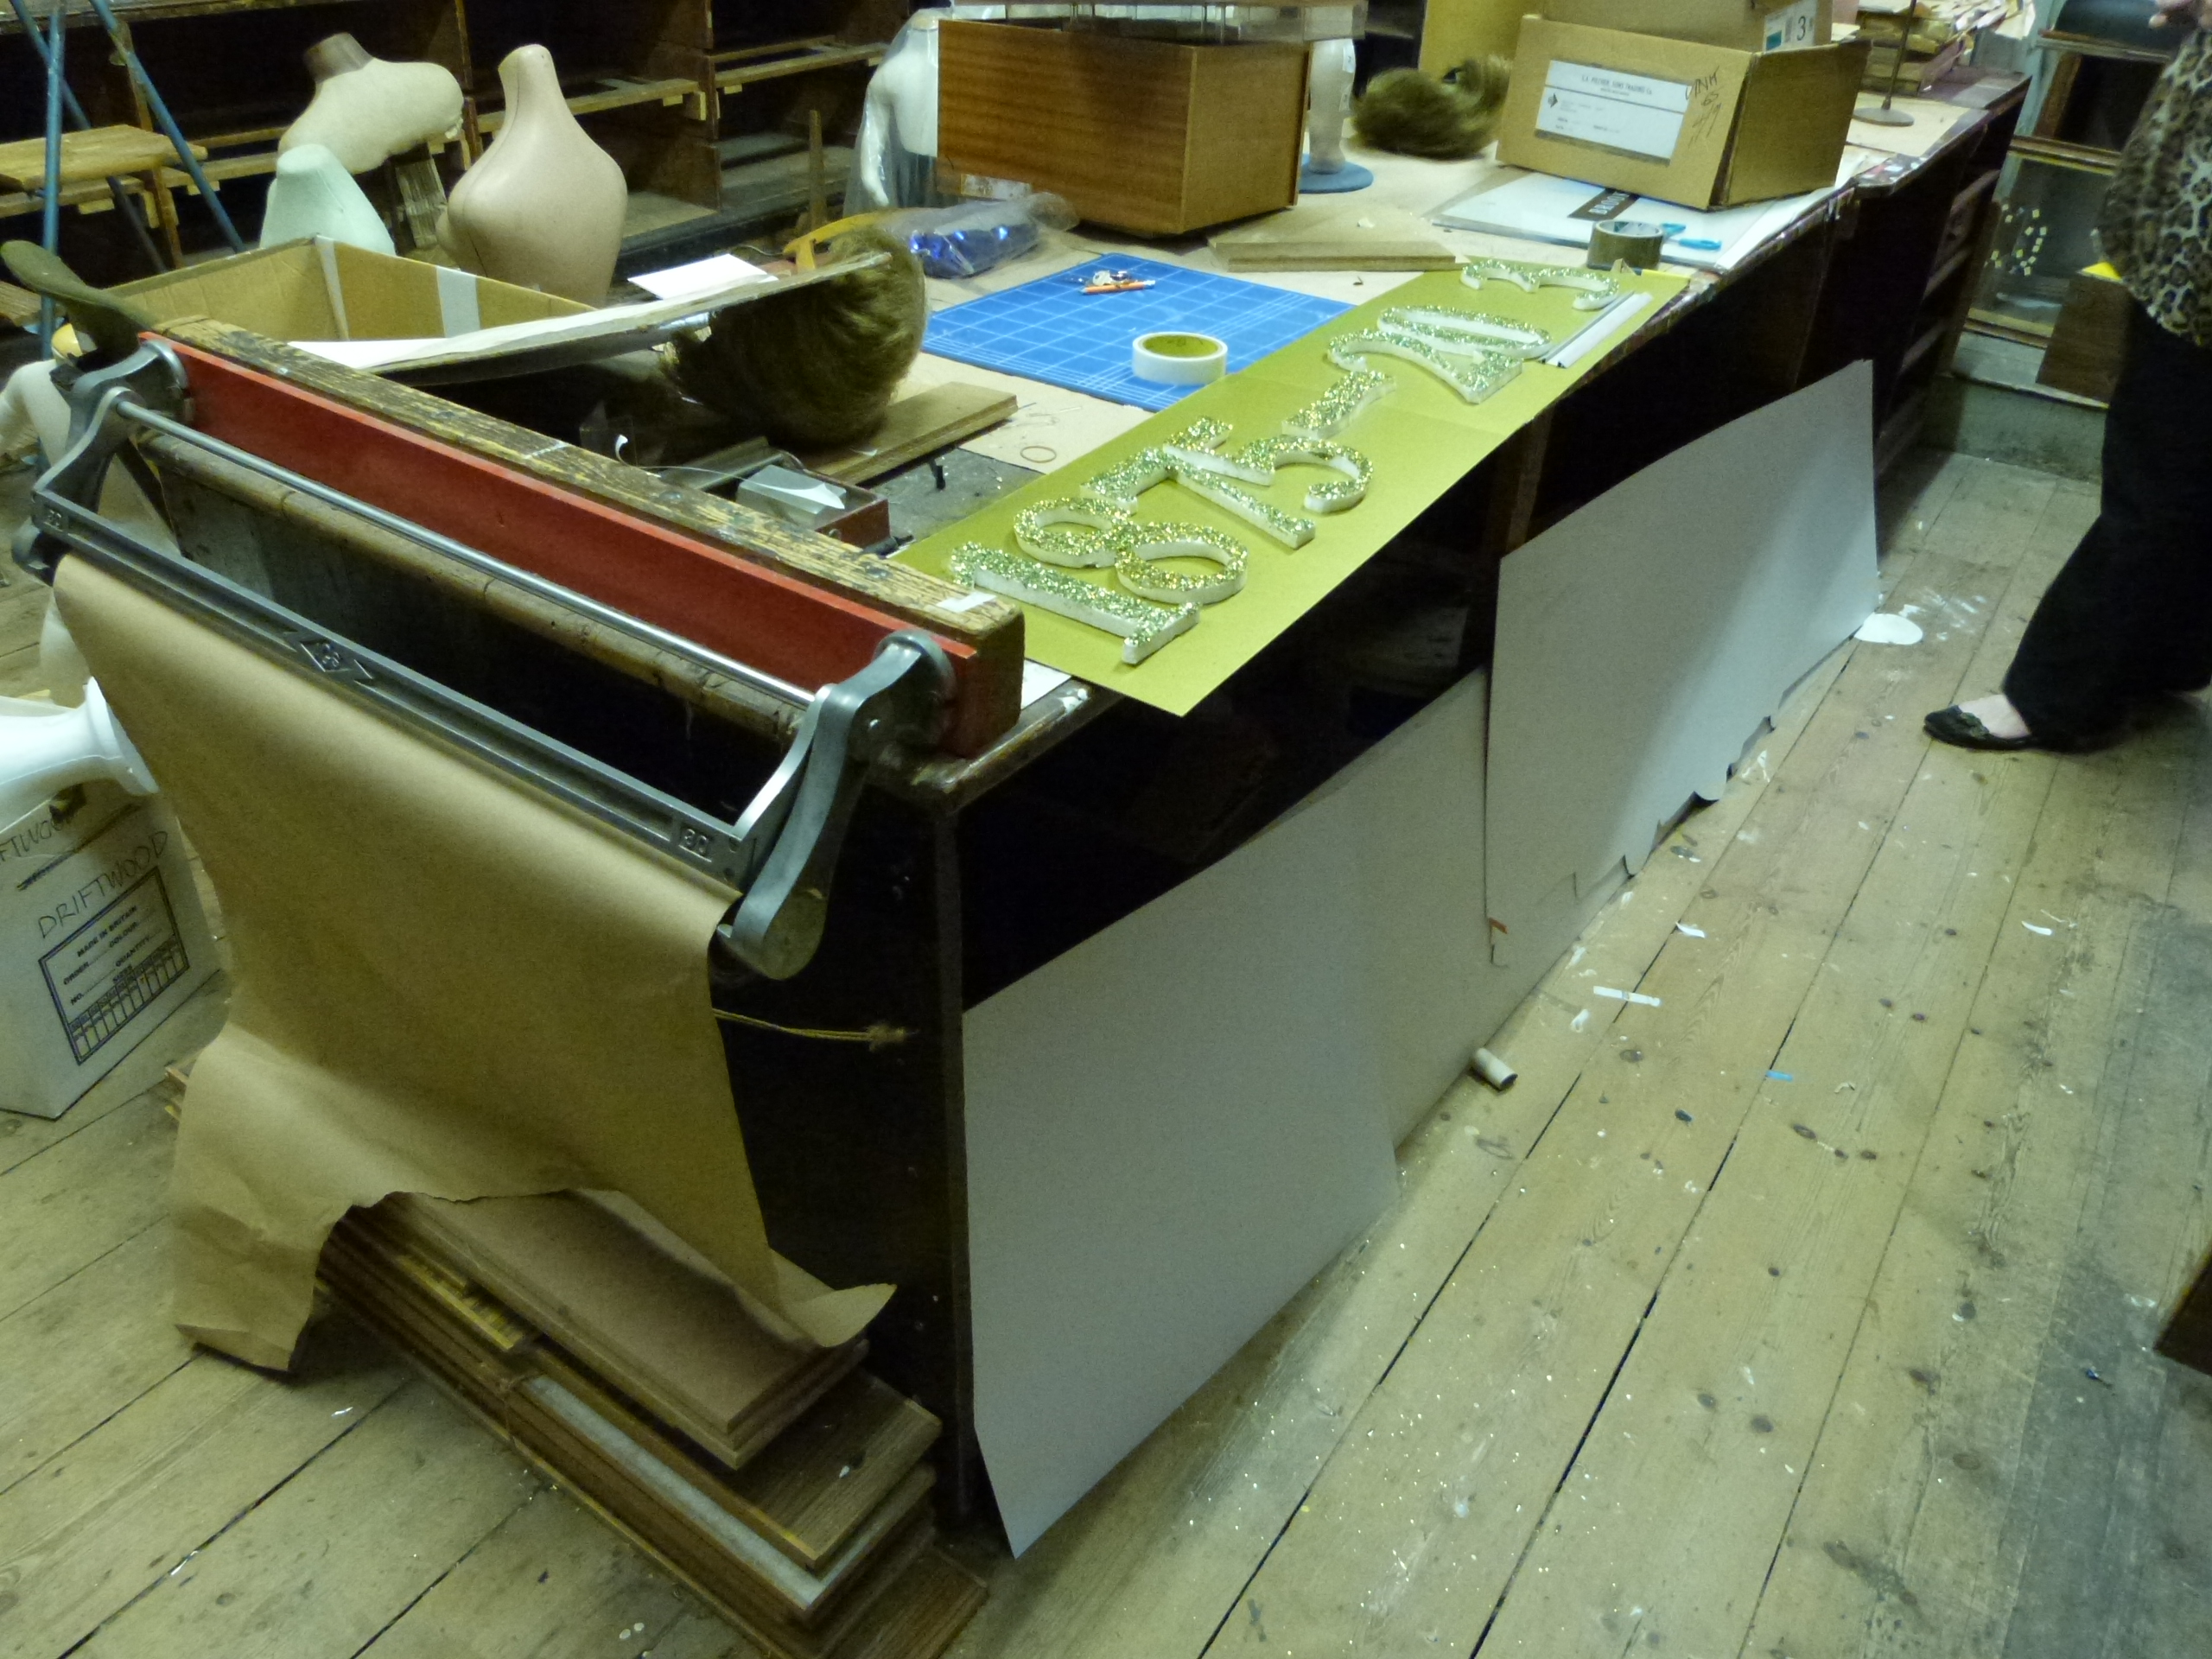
(115, 965)
(1794, 27)
(1640, 114)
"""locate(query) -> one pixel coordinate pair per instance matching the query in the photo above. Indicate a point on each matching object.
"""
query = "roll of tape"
(1632, 242)
(1178, 359)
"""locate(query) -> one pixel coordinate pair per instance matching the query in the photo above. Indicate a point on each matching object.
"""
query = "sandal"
(1965, 731)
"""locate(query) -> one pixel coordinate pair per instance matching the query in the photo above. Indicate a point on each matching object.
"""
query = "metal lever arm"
(797, 821)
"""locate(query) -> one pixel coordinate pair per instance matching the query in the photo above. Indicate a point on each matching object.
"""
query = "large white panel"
(1641, 640)
(1174, 1126)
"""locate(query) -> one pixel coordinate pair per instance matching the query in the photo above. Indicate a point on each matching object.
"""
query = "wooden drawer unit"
(1142, 136)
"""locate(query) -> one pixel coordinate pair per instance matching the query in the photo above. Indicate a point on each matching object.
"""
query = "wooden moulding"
(885, 1592)
(800, 605)
(806, 1492)
(1143, 136)
(680, 1342)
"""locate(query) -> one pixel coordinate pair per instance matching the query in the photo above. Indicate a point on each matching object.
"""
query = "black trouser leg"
(2130, 615)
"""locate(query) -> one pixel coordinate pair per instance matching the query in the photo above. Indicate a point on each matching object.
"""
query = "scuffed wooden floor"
(1803, 1315)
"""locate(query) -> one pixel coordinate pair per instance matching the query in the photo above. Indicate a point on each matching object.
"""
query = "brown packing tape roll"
(1633, 242)
(445, 984)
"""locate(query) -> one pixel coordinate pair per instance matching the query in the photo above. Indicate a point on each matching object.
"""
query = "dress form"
(1329, 83)
(544, 206)
(313, 194)
(365, 109)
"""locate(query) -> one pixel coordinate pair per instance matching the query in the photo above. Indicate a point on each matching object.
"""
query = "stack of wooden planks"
(780, 1480)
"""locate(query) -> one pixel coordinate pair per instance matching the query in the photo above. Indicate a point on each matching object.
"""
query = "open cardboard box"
(1706, 126)
(1745, 25)
(429, 323)
(320, 289)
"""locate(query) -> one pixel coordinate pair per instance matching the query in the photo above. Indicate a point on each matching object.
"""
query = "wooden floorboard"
(1649, 1355)
(1413, 1535)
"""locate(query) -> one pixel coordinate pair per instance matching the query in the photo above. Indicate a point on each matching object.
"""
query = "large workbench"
(964, 879)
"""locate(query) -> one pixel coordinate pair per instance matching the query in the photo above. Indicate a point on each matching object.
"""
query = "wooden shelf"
(2055, 152)
(1928, 339)
(2001, 326)
(1899, 429)
(1950, 267)
(142, 11)
(647, 81)
(2086, 46)
(613, 92)
(736, 70)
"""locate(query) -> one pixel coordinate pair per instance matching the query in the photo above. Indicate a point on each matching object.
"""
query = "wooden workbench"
(961, 876)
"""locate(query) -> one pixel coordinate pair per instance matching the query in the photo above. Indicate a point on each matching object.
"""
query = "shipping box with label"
(102, 938)
(1707, 126)
(1746, 25)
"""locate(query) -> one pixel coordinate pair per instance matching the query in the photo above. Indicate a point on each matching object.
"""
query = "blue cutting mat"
(1050, 330)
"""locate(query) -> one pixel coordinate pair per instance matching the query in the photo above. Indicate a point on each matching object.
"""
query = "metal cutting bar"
(780, 854)
(612, 797)
(636, 628)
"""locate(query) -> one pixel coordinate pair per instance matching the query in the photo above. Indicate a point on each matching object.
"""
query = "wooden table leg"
(164, 209)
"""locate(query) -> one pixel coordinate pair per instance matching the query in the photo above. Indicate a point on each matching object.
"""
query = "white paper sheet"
(1415, 930)
(1170, 1129)
(1174, 1126)
(716, 271)
(1643, 639)
(1539, 206)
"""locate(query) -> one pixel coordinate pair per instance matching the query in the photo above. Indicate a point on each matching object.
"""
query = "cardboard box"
(1452, 31)
(321, 290)
(1707, 126)
(1144, 136)
(1744, 25)
(101, 938)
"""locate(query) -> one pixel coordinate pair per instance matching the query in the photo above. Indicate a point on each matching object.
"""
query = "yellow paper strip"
(1423, 439)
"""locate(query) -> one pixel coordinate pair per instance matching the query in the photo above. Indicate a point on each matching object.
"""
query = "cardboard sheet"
(1051, 426)
(1562, 210)
(1423, 438)
(445, 984)
(1416, 930)
(1641, 640)
(1151, 1177)
(1170, 1129)
(527, 347)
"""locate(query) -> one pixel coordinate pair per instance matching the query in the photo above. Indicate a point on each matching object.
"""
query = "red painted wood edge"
(748, 611)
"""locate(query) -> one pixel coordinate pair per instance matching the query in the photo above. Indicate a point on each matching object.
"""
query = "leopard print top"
(2156, 224)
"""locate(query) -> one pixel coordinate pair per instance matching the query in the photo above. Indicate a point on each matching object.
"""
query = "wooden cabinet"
(1909, 252)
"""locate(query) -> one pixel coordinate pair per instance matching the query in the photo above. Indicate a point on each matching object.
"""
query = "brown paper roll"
(446, 983)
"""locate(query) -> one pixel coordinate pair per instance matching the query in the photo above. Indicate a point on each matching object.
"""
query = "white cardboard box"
(101, 937)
